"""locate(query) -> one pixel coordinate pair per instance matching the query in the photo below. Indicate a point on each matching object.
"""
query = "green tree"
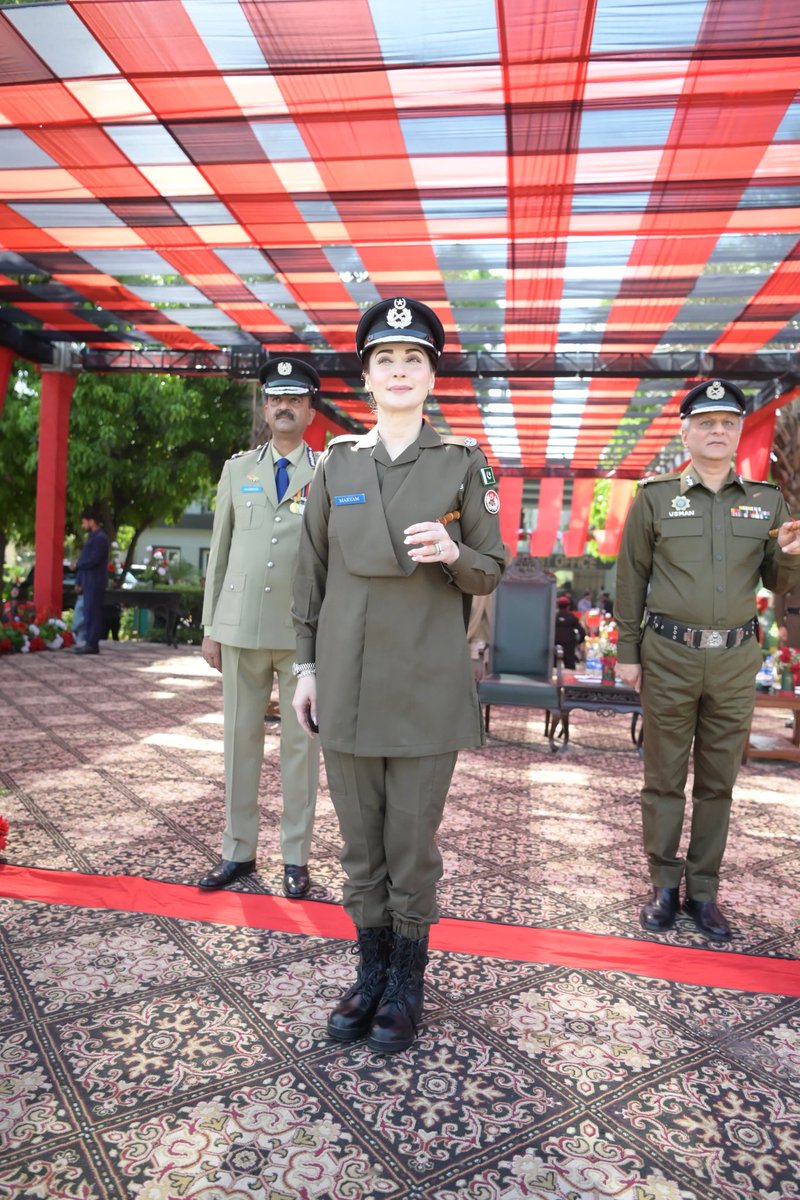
(141, 446)
(144, 446)
(19, 426)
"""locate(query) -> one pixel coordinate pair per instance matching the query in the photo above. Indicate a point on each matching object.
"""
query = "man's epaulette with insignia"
(241, 453)
(466, 443)
(761, 483)
(659, 478)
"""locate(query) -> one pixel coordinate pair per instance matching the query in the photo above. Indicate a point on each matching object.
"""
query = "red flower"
(68, 636)
(3, 831)
(785, 654)
(37, 643)
(5, 645)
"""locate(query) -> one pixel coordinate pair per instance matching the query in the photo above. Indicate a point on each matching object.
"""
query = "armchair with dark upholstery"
(522, 648)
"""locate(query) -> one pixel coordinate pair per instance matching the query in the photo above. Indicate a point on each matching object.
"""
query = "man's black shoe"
(296, 881)
(659, 914)
(708, 919)
(84, 649)
(225, 872)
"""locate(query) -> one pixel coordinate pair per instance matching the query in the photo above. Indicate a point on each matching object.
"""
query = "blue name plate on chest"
(251, 487)
(352, 498)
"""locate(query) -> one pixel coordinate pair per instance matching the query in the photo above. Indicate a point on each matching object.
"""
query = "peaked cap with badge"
(286, 376)
(400, 320)
(718, 395)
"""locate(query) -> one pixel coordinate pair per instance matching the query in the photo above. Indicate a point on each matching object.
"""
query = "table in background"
(785, 747)
(578, 690)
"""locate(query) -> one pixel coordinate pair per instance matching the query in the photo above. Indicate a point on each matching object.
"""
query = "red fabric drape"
(510, 489)
(6, 362)
(551, 497)
(574, 538)
(51, 489)
(619, 502)
(752, 458)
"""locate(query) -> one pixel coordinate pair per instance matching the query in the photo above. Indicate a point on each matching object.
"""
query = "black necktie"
(282, 477)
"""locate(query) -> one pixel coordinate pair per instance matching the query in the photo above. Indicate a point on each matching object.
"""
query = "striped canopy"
(600, 198)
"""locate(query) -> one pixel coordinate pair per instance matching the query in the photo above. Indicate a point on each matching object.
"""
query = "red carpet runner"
(584, 951)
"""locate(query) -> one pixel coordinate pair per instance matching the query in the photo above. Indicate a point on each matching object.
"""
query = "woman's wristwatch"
(300, 670)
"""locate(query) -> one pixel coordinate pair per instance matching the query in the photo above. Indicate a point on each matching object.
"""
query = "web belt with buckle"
(701, 639)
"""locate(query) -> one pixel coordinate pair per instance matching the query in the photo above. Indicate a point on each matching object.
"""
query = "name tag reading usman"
(352, 498)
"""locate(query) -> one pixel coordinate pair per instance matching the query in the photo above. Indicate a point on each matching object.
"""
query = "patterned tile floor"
(163, 1059)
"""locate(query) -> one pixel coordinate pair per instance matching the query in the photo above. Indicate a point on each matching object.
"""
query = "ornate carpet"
(156, 1057)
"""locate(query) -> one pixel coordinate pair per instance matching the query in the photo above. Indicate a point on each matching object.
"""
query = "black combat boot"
(351, 1018)
(394, 1026)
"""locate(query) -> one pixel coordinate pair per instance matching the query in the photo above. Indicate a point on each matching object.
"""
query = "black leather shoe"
(659, 914)
(296, 881)
(225, 872)
(708, 919)
(86, 650)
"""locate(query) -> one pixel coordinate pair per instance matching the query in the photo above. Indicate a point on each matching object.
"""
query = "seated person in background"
(569, 632)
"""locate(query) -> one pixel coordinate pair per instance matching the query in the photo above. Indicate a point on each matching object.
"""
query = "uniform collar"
(426, 438)
(690, 478)
(294, 456)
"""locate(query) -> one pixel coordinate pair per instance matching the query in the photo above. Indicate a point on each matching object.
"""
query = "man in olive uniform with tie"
(249, 634)
(695, 548)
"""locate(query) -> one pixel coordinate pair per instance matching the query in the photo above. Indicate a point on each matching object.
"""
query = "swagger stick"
(453, 516)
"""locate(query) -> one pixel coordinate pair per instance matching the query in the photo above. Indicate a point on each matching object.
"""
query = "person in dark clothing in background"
(92, 576)
(569, 631)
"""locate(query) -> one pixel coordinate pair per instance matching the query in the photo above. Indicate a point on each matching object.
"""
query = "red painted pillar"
(6, 362)
(51, 488)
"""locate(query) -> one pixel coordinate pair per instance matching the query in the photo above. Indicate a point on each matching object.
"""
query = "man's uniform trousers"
(246, 685)
(707, 696)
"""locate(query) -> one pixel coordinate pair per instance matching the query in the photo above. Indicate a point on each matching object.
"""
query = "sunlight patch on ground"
(180, 741)
(213, 718)
(566, 774)
(189, 666)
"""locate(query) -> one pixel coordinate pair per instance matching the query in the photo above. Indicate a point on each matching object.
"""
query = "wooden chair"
(522, 649)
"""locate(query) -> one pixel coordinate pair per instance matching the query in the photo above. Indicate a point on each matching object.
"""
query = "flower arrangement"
(608, 649)
(156, 567)
(24, 630)
(608, 639)
(788, 664)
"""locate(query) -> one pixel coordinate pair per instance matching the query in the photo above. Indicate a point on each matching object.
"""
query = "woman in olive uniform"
(400, 530)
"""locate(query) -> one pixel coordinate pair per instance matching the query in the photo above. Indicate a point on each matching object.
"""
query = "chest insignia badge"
(680, 502)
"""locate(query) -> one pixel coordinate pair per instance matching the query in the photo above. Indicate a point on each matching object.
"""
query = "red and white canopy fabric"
(554, 177)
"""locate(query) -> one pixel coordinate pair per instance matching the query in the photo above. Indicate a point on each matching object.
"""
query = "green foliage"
(141, 446)
(147, 445)
(19, 439)
(598, 514)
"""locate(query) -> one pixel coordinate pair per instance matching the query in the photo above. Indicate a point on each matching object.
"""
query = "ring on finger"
(437, 549)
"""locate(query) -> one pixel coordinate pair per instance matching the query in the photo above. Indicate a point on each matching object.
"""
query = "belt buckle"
(711, 639)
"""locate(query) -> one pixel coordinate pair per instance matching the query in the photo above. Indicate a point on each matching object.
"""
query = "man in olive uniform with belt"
(694, 549)
(249, 630)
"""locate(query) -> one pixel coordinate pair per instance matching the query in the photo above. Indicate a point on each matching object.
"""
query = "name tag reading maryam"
(350, 498)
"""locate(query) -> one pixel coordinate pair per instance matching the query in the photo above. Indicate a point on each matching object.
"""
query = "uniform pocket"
(229, 606)
(682, 540)
(250, 510)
